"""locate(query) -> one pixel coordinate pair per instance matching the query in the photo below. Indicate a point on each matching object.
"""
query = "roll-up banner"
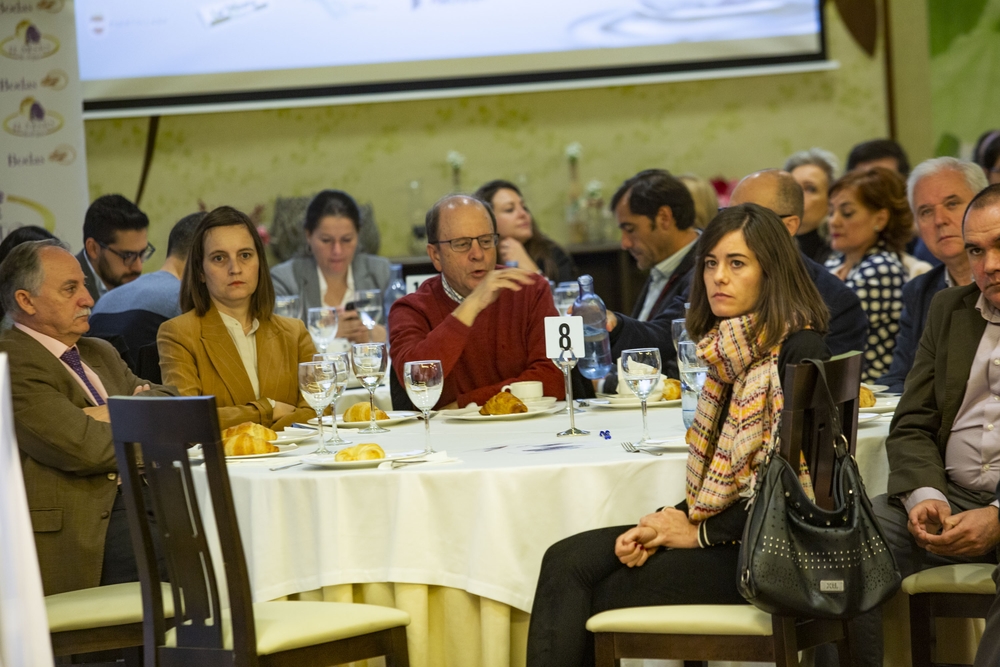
(43, 165)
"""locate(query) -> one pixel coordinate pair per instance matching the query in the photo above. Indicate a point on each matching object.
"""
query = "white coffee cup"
(526, 391)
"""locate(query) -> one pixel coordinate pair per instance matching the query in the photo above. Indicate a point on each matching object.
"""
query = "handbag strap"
(840, 444)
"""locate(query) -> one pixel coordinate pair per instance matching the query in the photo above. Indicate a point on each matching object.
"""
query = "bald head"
(774, 189)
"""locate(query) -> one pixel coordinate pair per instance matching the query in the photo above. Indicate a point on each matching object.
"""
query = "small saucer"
(535, 404)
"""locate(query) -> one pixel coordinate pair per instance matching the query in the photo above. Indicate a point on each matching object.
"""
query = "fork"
(632, 449)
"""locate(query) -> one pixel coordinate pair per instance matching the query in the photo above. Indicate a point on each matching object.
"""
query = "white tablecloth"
(480, 525)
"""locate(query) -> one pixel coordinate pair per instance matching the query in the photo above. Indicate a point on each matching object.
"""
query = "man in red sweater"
(484, 322)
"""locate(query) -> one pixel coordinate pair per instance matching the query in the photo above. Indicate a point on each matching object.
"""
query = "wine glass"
(565, 295)
(424, 381)
(368, 303)
(369, 362)
(316, 380)
(642, 375)
(342, 373)
(287, 306)
(322, 323)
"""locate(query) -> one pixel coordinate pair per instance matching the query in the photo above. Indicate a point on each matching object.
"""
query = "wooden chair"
(965, 590)
(298, 634)
(696, 633)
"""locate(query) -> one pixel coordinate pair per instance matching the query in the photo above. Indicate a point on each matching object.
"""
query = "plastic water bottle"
(596, 362)
(395, 289)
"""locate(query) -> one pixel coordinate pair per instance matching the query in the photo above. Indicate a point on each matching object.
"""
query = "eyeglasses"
(464, 243)
(129, 256)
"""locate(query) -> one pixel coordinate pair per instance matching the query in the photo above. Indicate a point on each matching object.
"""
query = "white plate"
(329, 462)
(630, 403)
(882, 406)
(395, 417)
(474, 416)
(535, 404)
(195, 453)
(868, 419)
(875, 388)
(293, 438)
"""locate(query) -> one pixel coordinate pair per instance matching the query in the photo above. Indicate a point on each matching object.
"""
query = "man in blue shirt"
(135, 310)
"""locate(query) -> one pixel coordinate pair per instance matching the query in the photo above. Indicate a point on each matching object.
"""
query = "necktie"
(72, 359)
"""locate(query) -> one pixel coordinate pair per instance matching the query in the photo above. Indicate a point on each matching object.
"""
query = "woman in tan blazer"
(228, 343)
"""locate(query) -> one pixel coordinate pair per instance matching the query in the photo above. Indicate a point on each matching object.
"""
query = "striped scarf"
(720, 471)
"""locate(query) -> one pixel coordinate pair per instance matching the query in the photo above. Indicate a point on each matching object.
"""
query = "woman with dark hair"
(520, 239)
(753, 310)
(228, 343)
(334, 270)
(987, 155)
(870, 224)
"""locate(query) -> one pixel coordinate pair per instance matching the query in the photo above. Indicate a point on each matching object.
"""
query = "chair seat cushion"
(283, 626)
(974, 578)
(687, 619)
(100, 607)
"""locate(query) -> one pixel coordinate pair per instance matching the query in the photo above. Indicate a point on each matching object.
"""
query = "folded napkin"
(436, 457)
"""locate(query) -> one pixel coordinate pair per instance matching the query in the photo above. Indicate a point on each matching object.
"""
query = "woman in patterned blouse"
(870, 224)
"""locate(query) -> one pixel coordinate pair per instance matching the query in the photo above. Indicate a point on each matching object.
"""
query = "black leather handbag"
(798, 559)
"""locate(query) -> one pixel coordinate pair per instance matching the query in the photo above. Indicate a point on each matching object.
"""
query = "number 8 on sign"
(564, 333)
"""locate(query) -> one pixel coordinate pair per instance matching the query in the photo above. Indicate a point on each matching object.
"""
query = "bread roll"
(867, 398)
(361, 412)
(366, 451)
(504, 403)
(671, 389)
(244, 444)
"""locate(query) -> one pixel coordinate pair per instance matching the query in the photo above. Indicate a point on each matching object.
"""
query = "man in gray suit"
(59, 384)
(115, 244)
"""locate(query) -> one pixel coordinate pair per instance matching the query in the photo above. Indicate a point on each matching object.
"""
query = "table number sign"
(564, 333)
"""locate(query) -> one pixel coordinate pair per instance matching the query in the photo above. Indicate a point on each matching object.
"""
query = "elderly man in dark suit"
(60, 382)
(938, 190)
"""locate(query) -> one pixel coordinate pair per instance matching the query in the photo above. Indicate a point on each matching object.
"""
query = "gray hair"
(22, 270)
(970, 171)
(817, 157)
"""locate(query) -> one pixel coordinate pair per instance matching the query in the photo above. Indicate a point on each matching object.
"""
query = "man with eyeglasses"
(484, 322)
(115, 244)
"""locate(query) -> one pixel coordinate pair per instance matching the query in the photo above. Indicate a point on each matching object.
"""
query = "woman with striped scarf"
(753, 310)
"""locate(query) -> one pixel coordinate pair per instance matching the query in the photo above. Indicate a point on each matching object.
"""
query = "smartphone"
(350, 306)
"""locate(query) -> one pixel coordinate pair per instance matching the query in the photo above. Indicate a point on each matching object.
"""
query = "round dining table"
(457, 542)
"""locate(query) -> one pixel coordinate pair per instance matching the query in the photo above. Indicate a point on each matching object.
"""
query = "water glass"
(368, 303)
(316, 380)
(287, 306)
(322, 323)
(565, 295)
(678, 331)
(342, 373)
(424, 381)
(642, 375)
(693, 371)
(369, 361)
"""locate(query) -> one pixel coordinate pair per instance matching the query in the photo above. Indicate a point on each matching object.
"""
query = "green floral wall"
(723, 127)
(964, 70)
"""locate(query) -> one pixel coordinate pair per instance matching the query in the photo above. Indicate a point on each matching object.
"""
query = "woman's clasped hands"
(667, 528)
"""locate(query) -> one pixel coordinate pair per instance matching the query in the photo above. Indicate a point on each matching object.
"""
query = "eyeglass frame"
(129, 256)
(470, 239)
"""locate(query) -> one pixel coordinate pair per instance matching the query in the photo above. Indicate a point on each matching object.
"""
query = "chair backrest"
(158, 432)
(805, 419)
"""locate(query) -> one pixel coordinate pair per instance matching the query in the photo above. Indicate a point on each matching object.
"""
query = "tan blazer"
(198, 356)
(68, 458)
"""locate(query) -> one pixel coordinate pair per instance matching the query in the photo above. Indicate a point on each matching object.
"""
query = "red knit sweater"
(505, 344)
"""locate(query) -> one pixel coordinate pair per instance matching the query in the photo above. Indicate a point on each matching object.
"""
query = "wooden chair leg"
(844, 646)
(786, 653)
(921, 631)
(400, 656)
(604, 650)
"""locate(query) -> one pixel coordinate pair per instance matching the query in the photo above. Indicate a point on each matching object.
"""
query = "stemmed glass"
(369, 362)
(642, 374)
(342, 373)
(316, 380)
(287, 306)
(368, 303)
(565, 295)
(424, 381)
(322, 323)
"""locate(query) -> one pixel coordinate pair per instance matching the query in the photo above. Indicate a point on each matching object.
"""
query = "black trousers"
(119, 565)
(581, 576)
